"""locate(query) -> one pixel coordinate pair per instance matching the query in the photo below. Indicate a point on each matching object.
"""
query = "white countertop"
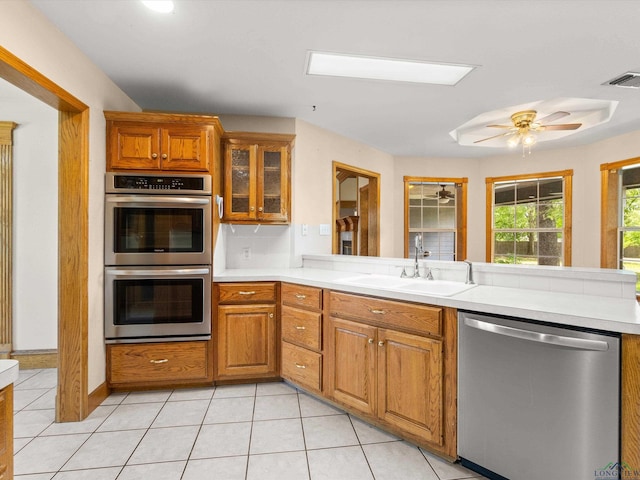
(8, 372)
(610, 314)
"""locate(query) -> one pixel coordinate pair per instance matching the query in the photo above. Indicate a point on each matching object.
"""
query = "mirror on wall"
(356, 212)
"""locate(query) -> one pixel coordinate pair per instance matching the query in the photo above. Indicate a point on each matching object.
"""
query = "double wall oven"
(158, 254)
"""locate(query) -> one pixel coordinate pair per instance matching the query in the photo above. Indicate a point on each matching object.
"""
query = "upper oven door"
(157, 230)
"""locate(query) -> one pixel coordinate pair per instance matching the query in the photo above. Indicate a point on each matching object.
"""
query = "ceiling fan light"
(443, 200)
(529, 139)
(513, 141)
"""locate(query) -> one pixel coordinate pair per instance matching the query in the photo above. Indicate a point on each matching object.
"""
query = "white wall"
(35, 215)
(585, 162)
(31, 37)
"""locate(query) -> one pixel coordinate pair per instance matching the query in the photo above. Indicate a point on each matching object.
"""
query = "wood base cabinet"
(394, 363)
(142, 365)
(245, 330)
(6, 433)
(302, 335)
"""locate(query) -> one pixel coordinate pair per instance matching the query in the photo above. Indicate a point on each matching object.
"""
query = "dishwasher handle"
(559, 340)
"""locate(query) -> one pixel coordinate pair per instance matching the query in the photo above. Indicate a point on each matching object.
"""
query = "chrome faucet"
(469, 280)
(422, 252)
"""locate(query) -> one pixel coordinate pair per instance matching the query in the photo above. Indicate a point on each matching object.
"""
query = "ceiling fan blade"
(553, 117)
(500, 126)
(562, 126)
(495, 136)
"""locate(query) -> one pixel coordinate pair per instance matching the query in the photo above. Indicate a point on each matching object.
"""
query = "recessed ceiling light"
(377, 68)
(160, 6)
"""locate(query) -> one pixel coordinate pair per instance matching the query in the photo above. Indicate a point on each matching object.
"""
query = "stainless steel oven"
(157, 219)
(157, 303)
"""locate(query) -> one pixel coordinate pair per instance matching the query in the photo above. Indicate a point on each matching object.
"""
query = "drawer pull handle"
(298, 327)
(377, 312)
(300, 296)
(250, 292)
(300, 366)
(164, 360)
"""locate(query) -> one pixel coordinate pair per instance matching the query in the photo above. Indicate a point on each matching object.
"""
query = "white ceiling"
(249, 56)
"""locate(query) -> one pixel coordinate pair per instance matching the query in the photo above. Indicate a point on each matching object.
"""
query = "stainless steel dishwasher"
(536, 401)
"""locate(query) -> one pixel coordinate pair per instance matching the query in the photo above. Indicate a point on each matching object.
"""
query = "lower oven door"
(157, 303)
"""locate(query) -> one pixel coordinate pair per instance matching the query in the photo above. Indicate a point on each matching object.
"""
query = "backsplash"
(586, 281)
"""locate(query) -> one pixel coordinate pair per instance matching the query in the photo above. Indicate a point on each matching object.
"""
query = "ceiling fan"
(443, 196)
(525, 127)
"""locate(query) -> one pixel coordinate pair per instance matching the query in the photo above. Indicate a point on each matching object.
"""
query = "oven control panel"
(126, 183)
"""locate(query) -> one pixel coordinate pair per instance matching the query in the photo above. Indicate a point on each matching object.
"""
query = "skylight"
(391, 69)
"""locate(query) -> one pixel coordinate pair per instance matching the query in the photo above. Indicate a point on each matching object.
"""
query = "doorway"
(356, 211)
(72, 398)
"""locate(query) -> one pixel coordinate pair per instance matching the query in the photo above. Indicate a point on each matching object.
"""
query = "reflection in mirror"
(356, 195)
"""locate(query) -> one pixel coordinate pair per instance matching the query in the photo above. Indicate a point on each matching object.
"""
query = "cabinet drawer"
(406, 316)
(301, 296)
(302, 366)
(155, 362)
(302, 327)
(247, 292)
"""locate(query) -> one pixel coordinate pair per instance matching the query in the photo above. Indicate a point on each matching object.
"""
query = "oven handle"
(157, 199)
(155, 273)
(559, 340)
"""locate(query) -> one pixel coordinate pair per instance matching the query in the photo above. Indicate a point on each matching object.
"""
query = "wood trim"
(567, 176)
(374, 203)
(461, 213)
(233, 137)
(6, 237)
(609, 205)
(630, 401)
(36, 358)
(450, 413)
(527, 176)
(568, 219)
(98, 396)
(73, 163)
(489, 222)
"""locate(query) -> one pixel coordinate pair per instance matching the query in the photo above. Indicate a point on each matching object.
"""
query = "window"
(620, 239)
(529, 219)
(436, 209)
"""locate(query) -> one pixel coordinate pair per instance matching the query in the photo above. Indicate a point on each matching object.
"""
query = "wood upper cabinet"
(257, 177)
(245, 331)
(165, 142)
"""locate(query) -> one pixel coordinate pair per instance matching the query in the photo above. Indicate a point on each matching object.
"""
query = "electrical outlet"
(305, 229)
(246, 253)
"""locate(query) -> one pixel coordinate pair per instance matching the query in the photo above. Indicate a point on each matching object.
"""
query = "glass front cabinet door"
(257, 182)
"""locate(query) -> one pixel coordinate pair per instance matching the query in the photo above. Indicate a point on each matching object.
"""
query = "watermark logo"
(613, 470)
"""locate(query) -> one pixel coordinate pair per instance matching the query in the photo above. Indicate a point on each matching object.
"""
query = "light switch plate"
(325, 229)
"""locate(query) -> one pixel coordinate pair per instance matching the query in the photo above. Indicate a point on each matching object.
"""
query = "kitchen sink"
(440, 288)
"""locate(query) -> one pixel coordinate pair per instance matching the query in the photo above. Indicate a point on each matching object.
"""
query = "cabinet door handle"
(298, 327)
(271, 315)
(371, 340)
(300, 366)
(163, 360)
(250, 292)
(377, 312)
(164, 156)
(259, 209)
(300, 296)
(251, 209)
(381, 343)
(154, 155)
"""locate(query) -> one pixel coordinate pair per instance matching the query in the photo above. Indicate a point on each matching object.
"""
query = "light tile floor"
(246, 432)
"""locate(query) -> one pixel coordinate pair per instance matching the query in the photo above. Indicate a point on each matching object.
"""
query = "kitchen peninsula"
(582, 298)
